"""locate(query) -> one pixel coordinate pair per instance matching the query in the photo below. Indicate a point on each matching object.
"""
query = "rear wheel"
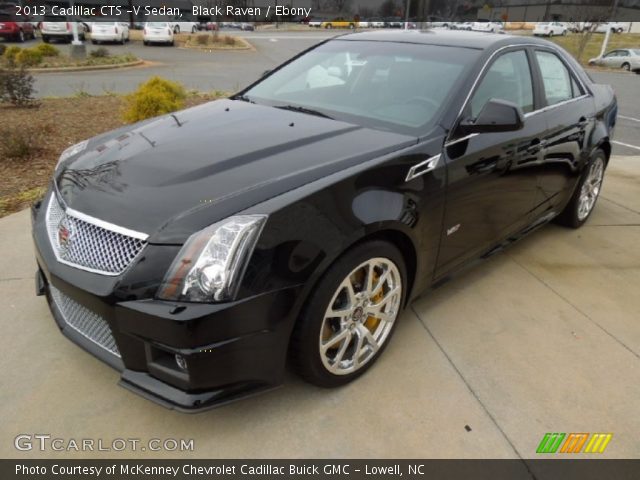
(20, 38)
(176, 29)
(194, 29)
(586, 194)
(350, 316)
(626, 66)
(45, 39)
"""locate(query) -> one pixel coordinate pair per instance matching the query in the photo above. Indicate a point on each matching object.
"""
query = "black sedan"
(199, 251)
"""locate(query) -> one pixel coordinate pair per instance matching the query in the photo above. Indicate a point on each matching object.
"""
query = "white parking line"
(635, 147)
(629, 118)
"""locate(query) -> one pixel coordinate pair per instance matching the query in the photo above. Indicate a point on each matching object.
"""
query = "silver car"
(626, 58)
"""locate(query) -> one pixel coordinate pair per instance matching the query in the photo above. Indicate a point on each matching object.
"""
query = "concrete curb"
(86, 68)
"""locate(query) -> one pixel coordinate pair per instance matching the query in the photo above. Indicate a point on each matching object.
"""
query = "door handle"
(423, 167)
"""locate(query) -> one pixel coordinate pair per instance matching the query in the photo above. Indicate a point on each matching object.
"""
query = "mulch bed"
(51, 127)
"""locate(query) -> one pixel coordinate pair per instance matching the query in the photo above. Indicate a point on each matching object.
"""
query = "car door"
(569, 118)
(491, 183)
(612, 59)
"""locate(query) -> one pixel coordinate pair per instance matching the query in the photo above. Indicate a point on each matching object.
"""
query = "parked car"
(247, 27)
(212, 26)
(57, 30)
(158, 32)
(195, 276)
(461, 26)
(615, 27)
(183, 27)
(626, 58)
(549, 29)
(315, 22)
(486, 26)
(11, 29)
(109, 32)
(339, 23)
(376, 23)
(393, 22)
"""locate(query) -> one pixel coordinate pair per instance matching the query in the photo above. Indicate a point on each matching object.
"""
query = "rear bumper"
(106, 37)
(184, 356)
(158, 39)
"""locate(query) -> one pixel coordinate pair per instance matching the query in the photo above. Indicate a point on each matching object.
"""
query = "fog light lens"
(181, 362)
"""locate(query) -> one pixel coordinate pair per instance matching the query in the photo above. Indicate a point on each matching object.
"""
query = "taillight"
(116, 29)
(68, 27)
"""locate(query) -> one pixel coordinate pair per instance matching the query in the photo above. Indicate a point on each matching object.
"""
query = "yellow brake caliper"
(373, 322)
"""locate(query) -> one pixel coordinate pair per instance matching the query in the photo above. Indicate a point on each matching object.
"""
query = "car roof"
(450, 38)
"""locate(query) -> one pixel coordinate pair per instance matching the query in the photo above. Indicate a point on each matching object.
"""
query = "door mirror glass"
(495, 116)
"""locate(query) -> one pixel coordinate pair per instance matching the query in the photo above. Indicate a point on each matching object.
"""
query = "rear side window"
(508, 78)
(558, 83)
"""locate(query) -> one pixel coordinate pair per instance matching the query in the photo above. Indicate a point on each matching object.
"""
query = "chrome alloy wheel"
(590, 188)
(360, 316)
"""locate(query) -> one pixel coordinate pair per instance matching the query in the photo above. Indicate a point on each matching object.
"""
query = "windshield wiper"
(308, 111)
(243, 98)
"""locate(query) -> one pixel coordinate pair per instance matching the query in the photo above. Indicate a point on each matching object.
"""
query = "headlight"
(212, 261)
(71, 151)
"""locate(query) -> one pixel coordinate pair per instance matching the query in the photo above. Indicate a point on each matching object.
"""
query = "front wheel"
(586, 194)
(176, 30)
(194, 30)
(626, 66)
(21, 37)
(350, 315)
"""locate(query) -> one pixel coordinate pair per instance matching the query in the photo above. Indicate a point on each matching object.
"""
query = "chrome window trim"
(534, 112)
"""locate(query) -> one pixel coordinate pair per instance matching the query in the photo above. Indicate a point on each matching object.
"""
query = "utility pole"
(78, 48)
(607, 34)
(406, 15)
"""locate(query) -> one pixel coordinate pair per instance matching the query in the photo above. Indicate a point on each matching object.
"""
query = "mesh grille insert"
(89, 246)
(84, 321)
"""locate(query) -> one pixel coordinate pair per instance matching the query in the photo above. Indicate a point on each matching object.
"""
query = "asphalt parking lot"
(541, 338)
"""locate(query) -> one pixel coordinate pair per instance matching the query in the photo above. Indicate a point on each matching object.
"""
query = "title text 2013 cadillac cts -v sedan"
(198, 251)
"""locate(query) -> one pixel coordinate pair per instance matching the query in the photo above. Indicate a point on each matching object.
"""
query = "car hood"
(221, 157)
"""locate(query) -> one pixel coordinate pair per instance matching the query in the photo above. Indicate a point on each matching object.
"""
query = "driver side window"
(508, 78)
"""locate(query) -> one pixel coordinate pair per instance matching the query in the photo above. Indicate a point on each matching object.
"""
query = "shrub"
(28, 57)
(19, 143)
(229, 40)
(16, 87)
(3, 47)
(155, 97)
(202, 39)
(10, 53)
(47, 50)
(100, 53)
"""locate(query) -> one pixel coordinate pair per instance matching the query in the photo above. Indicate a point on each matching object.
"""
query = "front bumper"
(230, 350)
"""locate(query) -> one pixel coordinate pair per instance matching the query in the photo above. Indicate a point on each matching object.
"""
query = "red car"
(12, 30)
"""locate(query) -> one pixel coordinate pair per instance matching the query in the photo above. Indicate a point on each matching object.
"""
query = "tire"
(626, 66)
(145, 43)
(351, 26)
(550, 34)
(620, 30)
(20, 38)
(564, 33)
(122, 40)
(329, 26)
(360, 330)
(194, 30)
(176, 29)
(45, 39)
(576, 213)
(95, 42)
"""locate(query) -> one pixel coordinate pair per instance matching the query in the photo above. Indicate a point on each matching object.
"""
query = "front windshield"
(388, 85)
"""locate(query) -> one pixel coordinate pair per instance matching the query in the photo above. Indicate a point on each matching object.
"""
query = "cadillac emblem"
(65, 234)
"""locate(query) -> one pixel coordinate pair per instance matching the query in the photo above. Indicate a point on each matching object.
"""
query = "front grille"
(84, 243)
(89, 324)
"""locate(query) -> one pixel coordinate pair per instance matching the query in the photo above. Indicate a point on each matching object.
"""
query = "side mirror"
(495, 116)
